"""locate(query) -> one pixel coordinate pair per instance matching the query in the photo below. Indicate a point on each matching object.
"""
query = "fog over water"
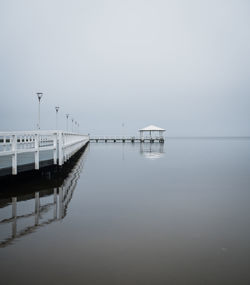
(182, 65)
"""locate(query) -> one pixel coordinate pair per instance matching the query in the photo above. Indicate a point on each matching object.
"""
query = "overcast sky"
(181, 65)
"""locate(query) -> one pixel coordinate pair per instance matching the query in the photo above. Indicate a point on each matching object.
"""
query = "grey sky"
(182, 65)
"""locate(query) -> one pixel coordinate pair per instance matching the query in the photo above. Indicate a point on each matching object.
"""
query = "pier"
(33, 150)
(123, 139)
(23, 151)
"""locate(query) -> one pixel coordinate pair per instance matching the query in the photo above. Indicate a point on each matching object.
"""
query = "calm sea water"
(133, 214)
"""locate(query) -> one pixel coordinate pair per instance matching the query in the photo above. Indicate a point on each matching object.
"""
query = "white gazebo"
(151, 129)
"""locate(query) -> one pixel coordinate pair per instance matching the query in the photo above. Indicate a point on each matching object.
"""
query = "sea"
(132, 214)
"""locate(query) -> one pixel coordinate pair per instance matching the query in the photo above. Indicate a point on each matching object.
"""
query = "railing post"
(64, 142)
(36, 151)
(4, 143)
(60, 148)
(66, 150)
(55, 148)
(14, 155)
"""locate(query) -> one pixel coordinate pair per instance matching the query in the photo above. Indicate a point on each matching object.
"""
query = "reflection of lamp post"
(39, 96)
(67, 118)
(57, 109)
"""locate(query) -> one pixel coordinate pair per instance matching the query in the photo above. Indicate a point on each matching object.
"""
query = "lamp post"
(67, 124)
(72, 120)
(123, 129)
(76, 126)
(57, 109)
(39, 96)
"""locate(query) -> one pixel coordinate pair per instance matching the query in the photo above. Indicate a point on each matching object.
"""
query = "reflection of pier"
(48, 208)
(152, 151)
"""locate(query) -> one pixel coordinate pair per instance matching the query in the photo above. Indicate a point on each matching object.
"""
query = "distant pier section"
(148, 134)
(23, 151)
(123, 139)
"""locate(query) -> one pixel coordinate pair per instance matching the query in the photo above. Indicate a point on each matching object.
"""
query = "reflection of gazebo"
(151, 129)
(152, 151)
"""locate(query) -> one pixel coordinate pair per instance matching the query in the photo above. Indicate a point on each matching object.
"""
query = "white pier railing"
(63, 145)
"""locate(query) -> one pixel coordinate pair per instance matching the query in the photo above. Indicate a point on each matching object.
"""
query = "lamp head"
(57, 108)
(39, 95)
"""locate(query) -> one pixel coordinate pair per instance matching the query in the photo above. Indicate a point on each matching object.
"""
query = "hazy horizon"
(118, 66)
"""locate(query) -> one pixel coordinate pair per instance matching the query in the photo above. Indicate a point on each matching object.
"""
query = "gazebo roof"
(152, 128)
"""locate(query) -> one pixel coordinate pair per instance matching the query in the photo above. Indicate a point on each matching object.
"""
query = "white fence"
(63, 145)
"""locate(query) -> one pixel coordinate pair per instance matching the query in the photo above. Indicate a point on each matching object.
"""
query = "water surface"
(133, 214)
